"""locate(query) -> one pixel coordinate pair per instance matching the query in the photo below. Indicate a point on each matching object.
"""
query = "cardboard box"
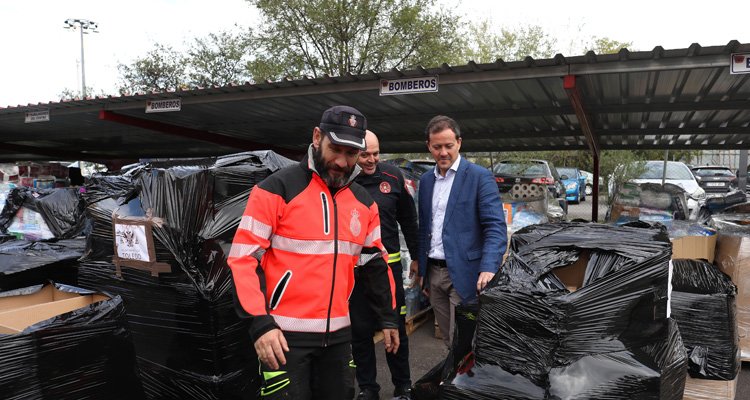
(627, 212)
(733, 259)
(706, 389)
(19, 312)
(572, 275)
(694, 247)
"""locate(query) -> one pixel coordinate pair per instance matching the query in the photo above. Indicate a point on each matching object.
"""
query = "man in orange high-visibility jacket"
(316, 226)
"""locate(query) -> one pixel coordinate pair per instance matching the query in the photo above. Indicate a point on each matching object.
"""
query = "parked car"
(574, 182)
(715, 180)
(510, 172)
(677, 173)
(412, 170)
(590, 182)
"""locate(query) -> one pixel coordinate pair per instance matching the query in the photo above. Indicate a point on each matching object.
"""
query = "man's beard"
(331, 181)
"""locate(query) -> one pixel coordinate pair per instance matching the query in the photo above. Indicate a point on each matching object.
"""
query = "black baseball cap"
(345, 126)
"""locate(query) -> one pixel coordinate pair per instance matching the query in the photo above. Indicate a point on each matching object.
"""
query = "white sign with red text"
(740, 63)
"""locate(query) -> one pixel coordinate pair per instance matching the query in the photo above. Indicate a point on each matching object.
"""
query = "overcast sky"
(40, 59)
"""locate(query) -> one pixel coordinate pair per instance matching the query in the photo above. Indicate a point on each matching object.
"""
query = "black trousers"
(363, 349)
(319, 373)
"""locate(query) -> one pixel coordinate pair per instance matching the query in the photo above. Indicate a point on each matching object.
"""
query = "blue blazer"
(474, 231)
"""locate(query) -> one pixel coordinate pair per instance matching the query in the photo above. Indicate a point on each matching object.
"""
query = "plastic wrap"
(719, 203)
(429, 386)
(189, 340)
(41, 214)
(733, 258)
(649, 202)
(86, 353)
(703, 304)
(5, 189)
(678, 229)
(6, 238)
(24, 263)
(529, 204)
(577, 311)
(604, 376)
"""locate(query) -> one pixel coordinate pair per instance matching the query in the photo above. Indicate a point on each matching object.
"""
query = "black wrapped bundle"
(428, 387)
(83, 353)
(189, 340)
(606, 376)
(703, 304)
(578, 311)
(62, 209)
(24, 263)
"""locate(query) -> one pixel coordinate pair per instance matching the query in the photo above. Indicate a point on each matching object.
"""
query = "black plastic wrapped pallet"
(703, 304)
(24, 263)
(572, 299)
(428, 387)
(86, 353)
(189, 340)
(61, 209)
(605, 376)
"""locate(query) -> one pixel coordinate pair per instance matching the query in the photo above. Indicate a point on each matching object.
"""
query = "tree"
(605, 45)
(335, 37)
(74, 94)
(162, 69)
(219, 59)
(485, 46)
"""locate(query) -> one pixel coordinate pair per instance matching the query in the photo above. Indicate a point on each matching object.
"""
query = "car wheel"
(589, 190)
(583, 195)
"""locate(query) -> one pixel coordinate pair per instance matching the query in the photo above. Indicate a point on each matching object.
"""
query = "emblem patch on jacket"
(385, 187)
(354, 225)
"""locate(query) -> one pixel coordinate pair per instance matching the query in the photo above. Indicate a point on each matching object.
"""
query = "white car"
(677, 173)
(590, 182)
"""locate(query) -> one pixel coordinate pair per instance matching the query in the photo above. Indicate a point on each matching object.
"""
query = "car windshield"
(520, 169)
(713, 172)
(570, 172)
(675, 171)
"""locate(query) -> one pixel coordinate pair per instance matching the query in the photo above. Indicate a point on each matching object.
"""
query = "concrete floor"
(426, 352)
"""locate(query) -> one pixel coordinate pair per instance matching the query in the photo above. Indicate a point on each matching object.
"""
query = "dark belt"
(439, 263)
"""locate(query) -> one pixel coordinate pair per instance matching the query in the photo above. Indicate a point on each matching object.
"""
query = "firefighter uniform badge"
(385, 187)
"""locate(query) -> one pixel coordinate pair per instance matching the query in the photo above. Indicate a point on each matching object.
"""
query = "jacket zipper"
(335, 257)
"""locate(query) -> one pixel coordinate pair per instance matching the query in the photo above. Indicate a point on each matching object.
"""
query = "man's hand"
(414, 274)
(484, 279)
(270, 348)
(391, 340)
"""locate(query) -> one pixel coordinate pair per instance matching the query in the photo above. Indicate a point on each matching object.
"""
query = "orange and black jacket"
(313, 240)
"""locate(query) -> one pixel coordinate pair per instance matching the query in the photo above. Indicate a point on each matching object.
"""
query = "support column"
(742, 171)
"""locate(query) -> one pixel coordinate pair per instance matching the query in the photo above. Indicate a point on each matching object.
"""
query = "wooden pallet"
(412, 323)
(415, 321)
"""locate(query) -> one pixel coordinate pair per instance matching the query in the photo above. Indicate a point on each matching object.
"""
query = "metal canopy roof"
(677, 99)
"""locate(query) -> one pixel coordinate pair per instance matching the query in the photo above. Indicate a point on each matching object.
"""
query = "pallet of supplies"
(65, 343)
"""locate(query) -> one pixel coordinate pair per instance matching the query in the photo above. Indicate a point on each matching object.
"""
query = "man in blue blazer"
(462, 232)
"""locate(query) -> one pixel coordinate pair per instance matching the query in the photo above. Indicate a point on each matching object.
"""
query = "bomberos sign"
(422, 84)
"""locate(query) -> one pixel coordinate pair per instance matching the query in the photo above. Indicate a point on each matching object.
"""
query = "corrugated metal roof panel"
(677, 98)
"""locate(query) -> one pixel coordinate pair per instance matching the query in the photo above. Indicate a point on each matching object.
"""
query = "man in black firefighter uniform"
(386, 184)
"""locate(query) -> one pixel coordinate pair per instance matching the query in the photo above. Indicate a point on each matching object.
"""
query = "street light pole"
(85, 26)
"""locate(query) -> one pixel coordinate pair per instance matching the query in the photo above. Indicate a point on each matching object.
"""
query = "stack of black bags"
(189, 342)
